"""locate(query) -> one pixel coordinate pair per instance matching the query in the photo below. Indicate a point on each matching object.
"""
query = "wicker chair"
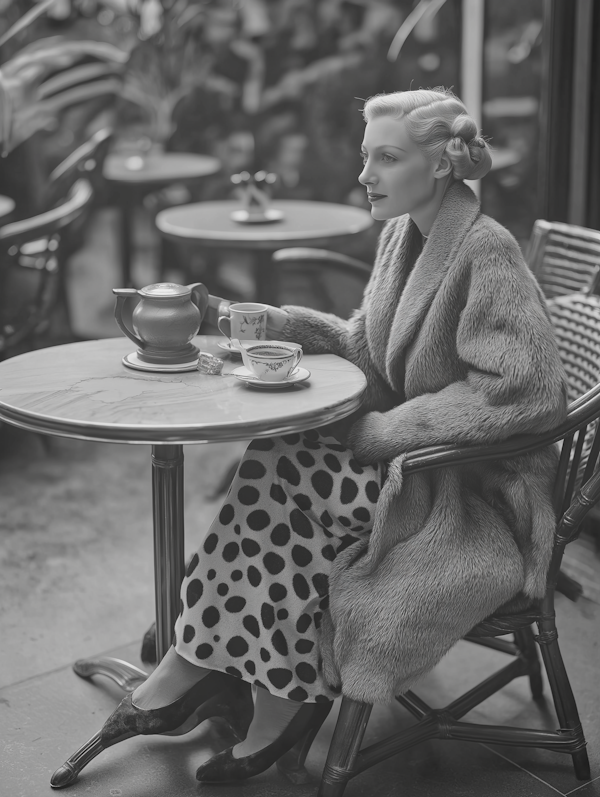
(30, 251)
(577, 490)
(564, 258)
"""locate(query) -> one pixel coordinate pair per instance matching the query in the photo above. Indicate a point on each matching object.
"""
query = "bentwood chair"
(564, 258)
(30, 252)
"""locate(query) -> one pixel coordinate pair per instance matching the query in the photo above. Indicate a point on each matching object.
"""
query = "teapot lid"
(159, 289)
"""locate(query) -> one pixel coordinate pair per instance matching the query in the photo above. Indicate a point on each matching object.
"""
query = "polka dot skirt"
(254, 593)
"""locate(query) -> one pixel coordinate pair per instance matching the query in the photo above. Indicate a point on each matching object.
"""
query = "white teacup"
(246, 321)
(271, 361)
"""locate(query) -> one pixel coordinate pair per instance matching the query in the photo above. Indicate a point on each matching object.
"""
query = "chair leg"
(525, 641)
(344, 748)
(564, 699)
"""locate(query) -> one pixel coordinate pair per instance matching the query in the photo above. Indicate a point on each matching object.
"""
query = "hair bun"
(470, 161)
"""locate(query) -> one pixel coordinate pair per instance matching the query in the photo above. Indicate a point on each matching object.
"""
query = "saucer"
(244, 375)
(133, 361)
(243, 217)
(226, 345)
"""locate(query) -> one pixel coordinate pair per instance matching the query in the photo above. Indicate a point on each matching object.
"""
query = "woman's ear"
(444, 167)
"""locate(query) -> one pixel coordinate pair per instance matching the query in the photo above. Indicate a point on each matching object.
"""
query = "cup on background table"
(246, 321)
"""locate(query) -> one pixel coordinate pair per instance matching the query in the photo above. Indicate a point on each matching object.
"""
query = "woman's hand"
(276, 317)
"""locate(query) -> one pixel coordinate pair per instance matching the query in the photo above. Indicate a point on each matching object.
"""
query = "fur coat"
(456, 344)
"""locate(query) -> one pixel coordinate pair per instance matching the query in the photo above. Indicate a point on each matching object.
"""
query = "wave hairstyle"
(438, 122)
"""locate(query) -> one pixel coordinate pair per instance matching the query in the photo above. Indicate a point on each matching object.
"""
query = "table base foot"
(125, 675)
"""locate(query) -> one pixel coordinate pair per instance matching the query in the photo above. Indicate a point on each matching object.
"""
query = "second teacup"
(246, 321)
(272, 361)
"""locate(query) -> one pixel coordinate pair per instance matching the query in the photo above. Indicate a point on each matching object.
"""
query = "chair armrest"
(308, 254)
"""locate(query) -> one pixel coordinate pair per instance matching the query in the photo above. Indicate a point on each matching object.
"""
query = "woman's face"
(398, 177)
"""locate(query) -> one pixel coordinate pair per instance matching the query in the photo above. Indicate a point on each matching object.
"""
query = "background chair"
(30, 257)
(577, 464)
(564, 258)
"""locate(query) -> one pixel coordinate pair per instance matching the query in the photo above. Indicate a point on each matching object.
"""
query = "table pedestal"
(167, 516)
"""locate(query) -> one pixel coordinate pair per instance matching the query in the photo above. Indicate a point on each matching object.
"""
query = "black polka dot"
(279, 677)
(260, 684)
(357, 528)
(252, 469)
(301, 555)
(222, 589)
(300, 585)
(345, 521)
(266, 444)
(237, 646)
(336, 447)
(280, 534)
(361, 513)
(204, 650)
(267, 615)
(217, 638)
(326, 533)
(324, 603)
(237, 528)
(278, 494)
(347, 540)
(312, 446)
(277, 592)
(250, 667)
(321, 583)
(326, 519)
(349, 490)
(235, 604)
(250, 623)
(210, 616)
(298, 693)
(372, 491)
(194, 592)
(304, 646)
(226, 514)
(356, 467)
(303, 501)
(305, 459)
(233, 671)
(265, 655)
(328, 552)
(189, 632)
(279, 643)
(274, 563)
(230, 551)
(288, 471)
(258, 520)
(291, 439)
(194, 562)
(237, 575)
(303, 623)
(210, 543)
(248, 495)
(323, 698)
(312, 435)
(322, 483)
(211, 574)
(317, 619)
(250, 547)
(332, 463)
(301, 524)
(254, 576)
(306, 672)
(282, 614)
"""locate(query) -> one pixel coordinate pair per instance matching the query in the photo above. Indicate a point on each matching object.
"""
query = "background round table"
(83, 390)
(305, 223)
(7, 205)
(137, 174)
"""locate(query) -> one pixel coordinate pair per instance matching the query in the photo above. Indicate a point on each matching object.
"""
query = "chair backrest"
(84, 162)
(564, 258)
(29, 267)
(320, 279)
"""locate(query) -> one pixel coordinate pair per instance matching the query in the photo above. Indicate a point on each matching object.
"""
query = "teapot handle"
(200, 297)
(124, 311)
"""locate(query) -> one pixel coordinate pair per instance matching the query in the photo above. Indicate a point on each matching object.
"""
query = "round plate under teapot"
(133, 361)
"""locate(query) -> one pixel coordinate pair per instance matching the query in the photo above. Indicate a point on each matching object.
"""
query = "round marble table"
(83, 390)
(7, 205)
(304, 223)
(138, 174)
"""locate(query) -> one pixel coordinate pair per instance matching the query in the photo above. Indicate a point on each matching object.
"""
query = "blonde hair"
(438, 122)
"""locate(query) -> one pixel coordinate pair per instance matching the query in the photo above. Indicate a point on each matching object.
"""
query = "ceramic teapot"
(162, 319)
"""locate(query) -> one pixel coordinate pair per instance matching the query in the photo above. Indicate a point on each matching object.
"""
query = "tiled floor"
(76, 580)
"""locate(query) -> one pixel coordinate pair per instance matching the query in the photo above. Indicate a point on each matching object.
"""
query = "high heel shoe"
(301, 731)
(217, 694)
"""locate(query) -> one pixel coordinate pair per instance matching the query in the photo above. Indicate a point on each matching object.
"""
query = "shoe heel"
(291, 764)
(69, 772)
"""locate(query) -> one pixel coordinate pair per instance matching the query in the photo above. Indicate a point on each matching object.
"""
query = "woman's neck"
(425, 216)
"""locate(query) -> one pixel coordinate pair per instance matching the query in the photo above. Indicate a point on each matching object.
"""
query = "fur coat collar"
(457, 347)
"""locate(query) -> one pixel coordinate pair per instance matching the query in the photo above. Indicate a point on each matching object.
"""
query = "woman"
(327, 571)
